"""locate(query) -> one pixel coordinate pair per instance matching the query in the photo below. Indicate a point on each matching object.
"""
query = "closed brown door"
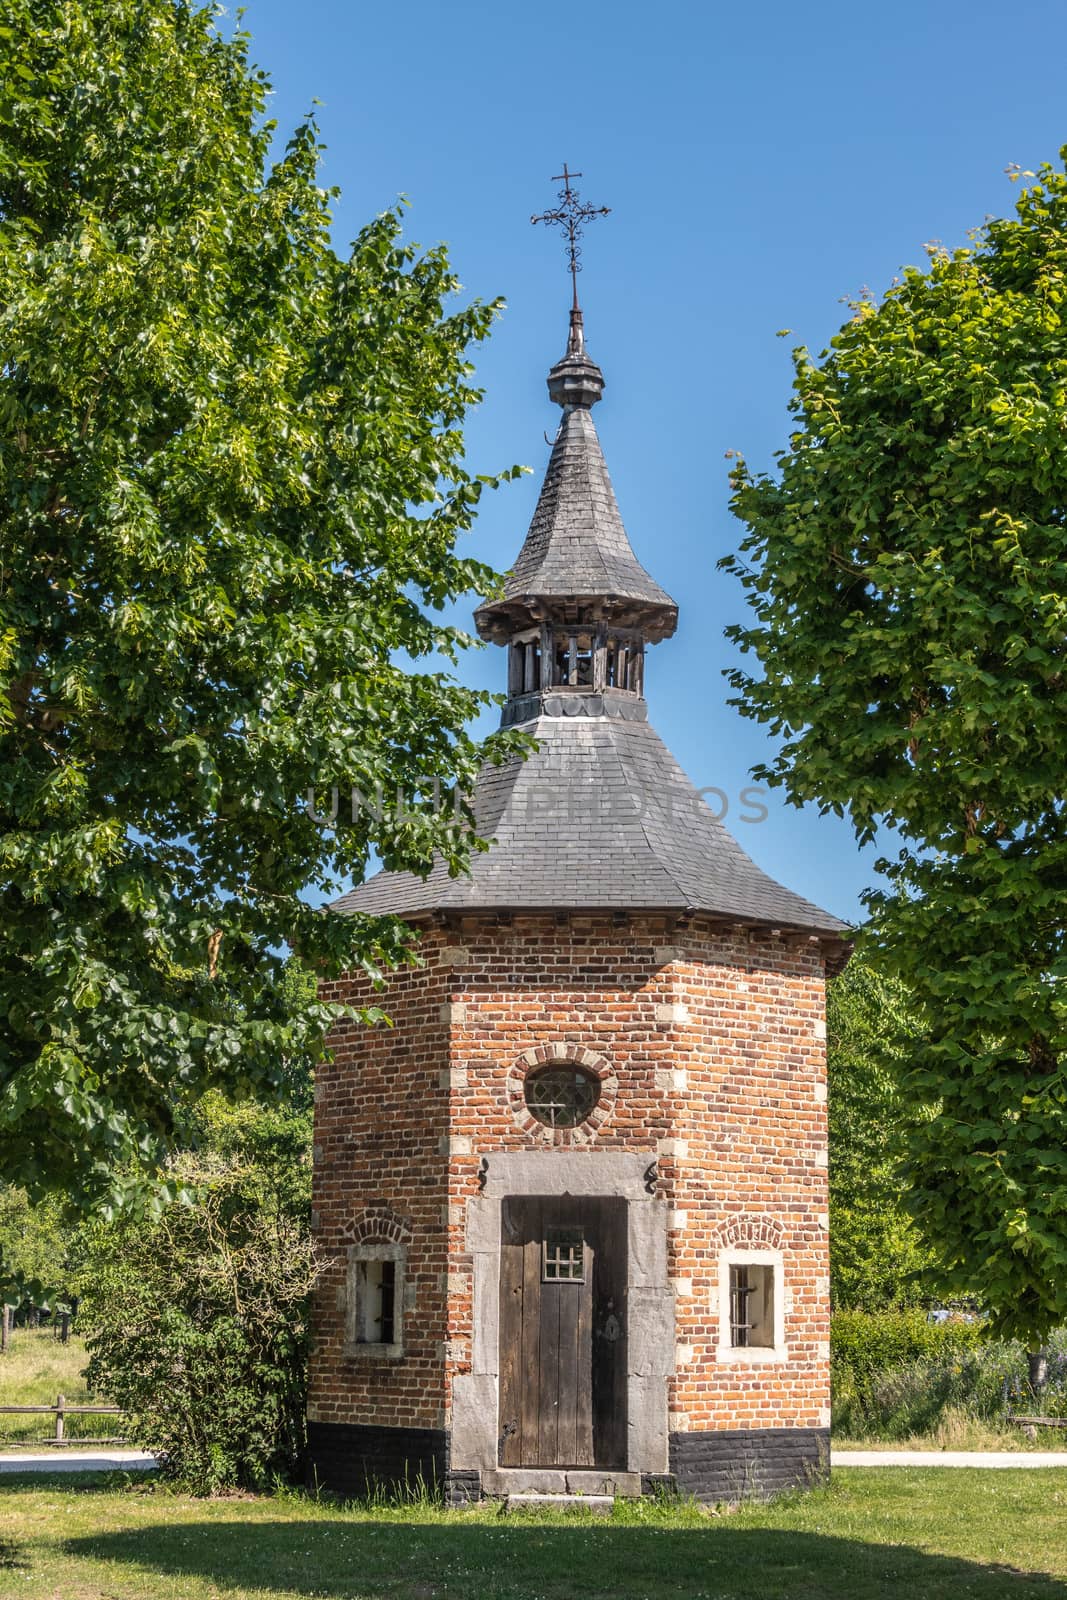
(563, 1332)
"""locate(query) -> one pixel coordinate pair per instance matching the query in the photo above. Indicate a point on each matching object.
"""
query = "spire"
(624, 829)
(575, 380)
(577, 564)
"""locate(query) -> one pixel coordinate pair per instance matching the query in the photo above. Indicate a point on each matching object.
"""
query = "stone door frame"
(475, 1425)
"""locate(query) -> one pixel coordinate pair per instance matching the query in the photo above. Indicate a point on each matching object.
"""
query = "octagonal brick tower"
(573, 1204)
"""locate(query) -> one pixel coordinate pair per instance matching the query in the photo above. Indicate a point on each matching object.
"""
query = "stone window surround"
(751, 1355)
(570, 1054)
(374, 1250)
(650, 1298)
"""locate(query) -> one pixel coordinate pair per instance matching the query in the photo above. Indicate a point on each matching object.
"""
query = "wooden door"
(563, 1332)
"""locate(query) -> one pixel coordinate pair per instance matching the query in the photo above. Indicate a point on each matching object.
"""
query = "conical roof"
(599, 817)
(577, 550)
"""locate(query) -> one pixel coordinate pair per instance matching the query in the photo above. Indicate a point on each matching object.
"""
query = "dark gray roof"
(577, 545)
(599, 817)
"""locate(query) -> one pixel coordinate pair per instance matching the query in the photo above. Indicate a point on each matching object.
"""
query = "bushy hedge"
(197, 1321)
(871, 1341)
(896, 1375)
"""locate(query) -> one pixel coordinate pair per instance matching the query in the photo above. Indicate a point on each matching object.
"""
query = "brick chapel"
(573, 1204)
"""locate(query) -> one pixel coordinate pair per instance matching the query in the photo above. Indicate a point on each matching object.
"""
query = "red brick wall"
(716, 1043)
(380, 1115)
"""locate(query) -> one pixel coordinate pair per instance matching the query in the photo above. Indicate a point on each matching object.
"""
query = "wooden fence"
(61, 1411)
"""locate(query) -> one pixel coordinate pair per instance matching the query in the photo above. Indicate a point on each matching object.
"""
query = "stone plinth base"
(749, 1463)
(352, 1460)
(739, 1464)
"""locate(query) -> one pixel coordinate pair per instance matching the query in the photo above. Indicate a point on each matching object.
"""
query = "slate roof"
(577, 547)
(577, 544)
(600, 817)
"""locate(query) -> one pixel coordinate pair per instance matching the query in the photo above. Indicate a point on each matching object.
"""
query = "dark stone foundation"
(749, 1463)
(352, 1460)
(742, 1464)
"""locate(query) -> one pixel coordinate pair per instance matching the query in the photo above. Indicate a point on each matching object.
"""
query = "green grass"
(957, 1429)
(873, 1535)
(36, 1368)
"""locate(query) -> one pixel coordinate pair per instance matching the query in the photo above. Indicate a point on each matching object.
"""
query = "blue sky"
(762, 165)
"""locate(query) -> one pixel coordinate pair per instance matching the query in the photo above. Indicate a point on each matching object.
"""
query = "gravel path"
(76, 1461)
(948, 1458)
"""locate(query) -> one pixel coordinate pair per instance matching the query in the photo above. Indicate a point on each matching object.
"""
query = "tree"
(232, 482)
(878, 1257)
(35, 1248)
(907, 572)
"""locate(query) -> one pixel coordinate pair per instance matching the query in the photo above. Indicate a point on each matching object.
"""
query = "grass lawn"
(959, 1429)
(873, 1535)
(34, 1369)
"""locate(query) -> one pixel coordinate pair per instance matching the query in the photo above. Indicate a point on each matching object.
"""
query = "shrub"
(896, 1375)
(198, 1328)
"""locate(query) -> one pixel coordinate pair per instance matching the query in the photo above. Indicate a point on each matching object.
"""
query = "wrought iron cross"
(571, 214)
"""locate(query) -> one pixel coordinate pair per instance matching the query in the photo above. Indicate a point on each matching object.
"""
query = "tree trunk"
(1037, 1361)
(5, 1328)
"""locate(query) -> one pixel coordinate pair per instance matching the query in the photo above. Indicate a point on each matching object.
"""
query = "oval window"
(561, 1096)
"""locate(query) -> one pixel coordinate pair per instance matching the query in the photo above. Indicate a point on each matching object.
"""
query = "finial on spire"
(572, 214)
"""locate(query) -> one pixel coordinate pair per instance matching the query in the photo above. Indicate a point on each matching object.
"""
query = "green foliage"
(897, 1376)
(231, 485)
(198, 1324)
(270, 1143)
(36, 1247)
(877, 1253)
(919, 1398)
(907, 572)
(872, 1341)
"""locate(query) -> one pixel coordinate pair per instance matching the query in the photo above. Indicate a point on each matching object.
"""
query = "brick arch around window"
(759, 1233)
(377, 1225)
(374, 1300)
(565, 1054)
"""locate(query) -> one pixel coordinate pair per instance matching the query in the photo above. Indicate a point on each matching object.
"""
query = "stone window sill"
(373, 1352)
(753, 1355)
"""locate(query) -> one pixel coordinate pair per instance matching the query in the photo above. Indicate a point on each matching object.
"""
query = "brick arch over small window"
(377, 1223)
(546, 1055)
(762, 1233)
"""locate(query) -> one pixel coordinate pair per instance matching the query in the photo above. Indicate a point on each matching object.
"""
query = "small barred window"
(563, 1260)
(375, 1293)
(751, 1306)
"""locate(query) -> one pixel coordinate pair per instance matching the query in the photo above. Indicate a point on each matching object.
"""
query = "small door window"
(563, 1256)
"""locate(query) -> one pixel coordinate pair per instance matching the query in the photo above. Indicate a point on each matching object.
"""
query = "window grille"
(375, 1299)
(563, 1256)
(751, 1305)
(561, 1096)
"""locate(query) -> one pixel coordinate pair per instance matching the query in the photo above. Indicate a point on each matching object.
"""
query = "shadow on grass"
(515, 1560)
